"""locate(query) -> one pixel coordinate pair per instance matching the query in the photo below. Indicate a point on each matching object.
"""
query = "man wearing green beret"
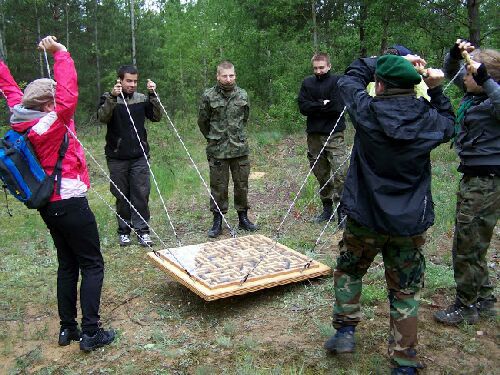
(387, 195)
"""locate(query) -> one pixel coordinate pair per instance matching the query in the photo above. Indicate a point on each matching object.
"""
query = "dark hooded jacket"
(121, 138)
(478, 139)
(321, 118)
(388, 185)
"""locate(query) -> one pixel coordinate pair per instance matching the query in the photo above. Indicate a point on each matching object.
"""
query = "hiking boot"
(486, 306)
(216, 229)
(245, 223)
(145, 240)
(327, 212)
(66, 335)
(403, 370)
(342, 341)
(124, 239)
(98, 340)
(457, 313)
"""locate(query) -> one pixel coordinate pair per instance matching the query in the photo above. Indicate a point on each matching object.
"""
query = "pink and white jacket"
(48, 129)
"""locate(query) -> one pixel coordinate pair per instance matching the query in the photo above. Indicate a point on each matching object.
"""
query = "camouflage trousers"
(478, 210)
(404, 272)
(329, 161)
(219, 182)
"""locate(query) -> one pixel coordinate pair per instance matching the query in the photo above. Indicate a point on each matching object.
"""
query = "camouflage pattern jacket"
(121, 139)
(222, 120)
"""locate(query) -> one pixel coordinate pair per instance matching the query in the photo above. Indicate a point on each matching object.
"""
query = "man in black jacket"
(127, 149)
(319, 100)
(387, 195)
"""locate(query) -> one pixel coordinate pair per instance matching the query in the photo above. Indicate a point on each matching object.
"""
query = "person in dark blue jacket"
(387, 195)
(478, 199)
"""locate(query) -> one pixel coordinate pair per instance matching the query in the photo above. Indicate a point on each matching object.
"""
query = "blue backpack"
(22, 173)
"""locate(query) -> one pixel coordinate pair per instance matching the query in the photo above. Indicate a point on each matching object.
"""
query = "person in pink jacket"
(45, 110)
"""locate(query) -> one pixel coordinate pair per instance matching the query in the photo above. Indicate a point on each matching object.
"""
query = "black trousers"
(74, 231)
(132, 178)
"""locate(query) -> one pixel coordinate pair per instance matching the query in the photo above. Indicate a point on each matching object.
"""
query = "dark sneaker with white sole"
(124, 240)
(98, 340)
(66, 335)
(145, 240)
(457, 313)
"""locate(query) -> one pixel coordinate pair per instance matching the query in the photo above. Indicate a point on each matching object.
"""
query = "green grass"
(163, 328)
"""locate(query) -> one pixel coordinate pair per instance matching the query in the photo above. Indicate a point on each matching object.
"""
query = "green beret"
(397, 71)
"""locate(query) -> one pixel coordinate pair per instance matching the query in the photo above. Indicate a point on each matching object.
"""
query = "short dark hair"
(226, 64)
(130, 69)
(321, 56)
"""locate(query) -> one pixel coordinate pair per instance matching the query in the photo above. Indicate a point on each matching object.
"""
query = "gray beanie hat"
(38, 92)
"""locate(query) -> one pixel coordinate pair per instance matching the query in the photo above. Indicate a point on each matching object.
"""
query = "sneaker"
(145, 240)
(66, 335)
(124, 240)
(100, 339)
(403, 370)
(342, 341)
(457, 313)
(486, 306)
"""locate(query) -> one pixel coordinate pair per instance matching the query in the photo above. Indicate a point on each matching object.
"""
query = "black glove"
(481, 76)
(455, 52)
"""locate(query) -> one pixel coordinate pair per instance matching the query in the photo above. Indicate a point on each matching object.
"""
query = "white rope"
(278, 234)
(232, 230)
(121, 193)
(179, 243)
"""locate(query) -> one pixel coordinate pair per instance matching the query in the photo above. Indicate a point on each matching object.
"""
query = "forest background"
(162, 327)
(178, 43)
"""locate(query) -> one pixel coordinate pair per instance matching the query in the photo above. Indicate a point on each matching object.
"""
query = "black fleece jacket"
(321, 118)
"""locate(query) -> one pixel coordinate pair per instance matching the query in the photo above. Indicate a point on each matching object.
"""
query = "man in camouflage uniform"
(319, 100)
(222, 118)
(387, 195)
(478, 200)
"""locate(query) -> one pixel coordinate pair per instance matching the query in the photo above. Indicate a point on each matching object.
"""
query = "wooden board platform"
(218, 268)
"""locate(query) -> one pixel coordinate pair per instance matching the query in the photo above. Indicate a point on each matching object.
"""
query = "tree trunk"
(315, 25)
(473, 22)
(3, 46)
(385, 31)
(38, 32)
(363, 14)
(97, 57)
(67, 25)
(132, 27)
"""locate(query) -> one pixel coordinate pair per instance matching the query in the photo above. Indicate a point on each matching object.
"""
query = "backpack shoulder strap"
(57, 173)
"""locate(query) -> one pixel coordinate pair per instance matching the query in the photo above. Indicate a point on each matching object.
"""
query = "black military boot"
(245, 223)
(457, 313)
(327, 212)
(216, 229)
(486, 306)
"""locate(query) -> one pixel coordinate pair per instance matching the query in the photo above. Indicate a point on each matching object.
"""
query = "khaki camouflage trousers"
(478, 210)
(329, 161)
(219, 182)
(404, 272)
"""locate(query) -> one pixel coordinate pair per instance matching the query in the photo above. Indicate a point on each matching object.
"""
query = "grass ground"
(163, 328)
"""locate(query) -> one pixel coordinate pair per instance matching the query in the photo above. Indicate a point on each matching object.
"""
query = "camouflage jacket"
(222, 120)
